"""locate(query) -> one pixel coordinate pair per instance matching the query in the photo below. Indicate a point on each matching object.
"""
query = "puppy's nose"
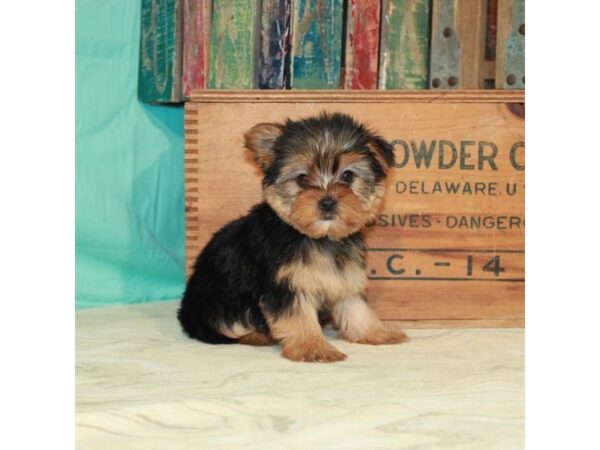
(327, 204)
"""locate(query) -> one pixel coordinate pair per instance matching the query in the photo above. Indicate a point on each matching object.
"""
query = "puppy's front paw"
(312, 352)
(386, 333)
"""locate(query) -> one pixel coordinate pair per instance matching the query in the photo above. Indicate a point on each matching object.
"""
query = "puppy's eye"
(347, 176)
(302, 179)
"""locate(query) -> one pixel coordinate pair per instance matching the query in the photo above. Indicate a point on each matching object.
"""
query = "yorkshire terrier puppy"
(268, 276)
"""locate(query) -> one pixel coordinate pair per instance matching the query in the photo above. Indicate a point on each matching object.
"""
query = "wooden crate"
(448, 247)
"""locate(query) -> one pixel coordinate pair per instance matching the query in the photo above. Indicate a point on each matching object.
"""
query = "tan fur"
(278, 203)
(259, 139)
(376, 201)
(352, 213)
(319, 275)
(347, 159)
(356, 322)
(257, 339)
(313, 349)
(301, 160)
(301, 335)
(305, 215)
(388, 333)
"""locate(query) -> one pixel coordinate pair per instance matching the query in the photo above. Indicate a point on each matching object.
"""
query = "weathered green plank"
(233, 42)
(159, 75)
(404, 55)
(317, 44)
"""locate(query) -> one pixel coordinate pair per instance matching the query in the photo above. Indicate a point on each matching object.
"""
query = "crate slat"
(458, 31)
(510, 45)
(405, 35)
(159, 73)
(316, 44)
(196, 39)
(233, 44)
(275, 45)
(362, 44)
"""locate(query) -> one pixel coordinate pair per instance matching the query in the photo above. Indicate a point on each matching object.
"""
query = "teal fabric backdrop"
(129, 168)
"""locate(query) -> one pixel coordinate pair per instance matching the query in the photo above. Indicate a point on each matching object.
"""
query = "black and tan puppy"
(267, 276)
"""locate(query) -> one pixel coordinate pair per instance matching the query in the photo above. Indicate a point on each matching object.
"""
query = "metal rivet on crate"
(523, 79)
(522, 29)
(452, 81)
(511, 79)
(447, 32)
(436, 82)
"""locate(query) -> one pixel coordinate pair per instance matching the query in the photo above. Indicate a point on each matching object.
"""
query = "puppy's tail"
(195, 327)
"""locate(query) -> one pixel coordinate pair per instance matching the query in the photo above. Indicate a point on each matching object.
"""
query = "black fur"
(236, 271)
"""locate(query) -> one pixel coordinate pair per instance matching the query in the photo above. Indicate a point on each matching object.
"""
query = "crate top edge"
(362, 96)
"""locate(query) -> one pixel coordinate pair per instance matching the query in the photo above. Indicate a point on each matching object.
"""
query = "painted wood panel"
(196, 40)
(471, 28)
(159, 75)
(317, 44)
(444, 67)
(233, 43)
(405, 30)
(510, 50)
(362, 44)
(458, 32)
(275, 44)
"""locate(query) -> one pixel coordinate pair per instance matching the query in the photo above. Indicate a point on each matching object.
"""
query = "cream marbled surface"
(140, 384)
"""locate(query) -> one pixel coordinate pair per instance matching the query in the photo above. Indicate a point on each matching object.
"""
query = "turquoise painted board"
(129, 168)
(317, 44)
(161, 44)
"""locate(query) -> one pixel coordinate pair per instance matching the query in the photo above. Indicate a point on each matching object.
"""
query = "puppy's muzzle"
(328, 206)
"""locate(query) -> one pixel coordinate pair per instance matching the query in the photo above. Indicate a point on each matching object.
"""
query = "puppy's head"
(323, 175)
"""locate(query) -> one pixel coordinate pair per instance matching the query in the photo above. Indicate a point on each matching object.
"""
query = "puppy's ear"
(383, 151)
(260, 140)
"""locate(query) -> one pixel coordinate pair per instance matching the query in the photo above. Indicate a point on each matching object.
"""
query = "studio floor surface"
(140, 384)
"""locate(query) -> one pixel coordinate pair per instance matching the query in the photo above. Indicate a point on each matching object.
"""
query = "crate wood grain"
(275, 45)
(458, 33)
(362, 44)
(159, 73)
(234, 32)
(196, 39)
(510, 45)
(488, 70)
(316, 44)
(448, 246)
(404, 56)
